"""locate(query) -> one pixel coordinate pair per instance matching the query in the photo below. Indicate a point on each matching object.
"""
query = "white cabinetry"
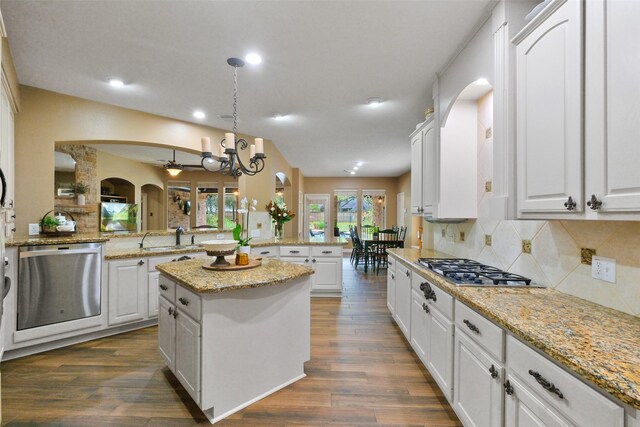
(420, 326)
(402, 314)
(127, 291)
(391, 284)
(7, 157)
(326, 262)
(423, 169)
(416, 171)
(167, 327)
(524, 408)
(549, 105)
(265, 251)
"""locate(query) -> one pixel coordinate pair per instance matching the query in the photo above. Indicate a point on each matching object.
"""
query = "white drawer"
(265, 251)
(188, 302)
(294, 250)
(585, 406)
(489, 335)
(328, 251)
(438, 298)
(402, 269)
(392, 264)
(167, 288)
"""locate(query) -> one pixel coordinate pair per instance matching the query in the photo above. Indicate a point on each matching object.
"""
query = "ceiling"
(322, 61)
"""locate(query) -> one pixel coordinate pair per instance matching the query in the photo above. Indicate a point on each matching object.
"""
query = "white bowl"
(219, 245)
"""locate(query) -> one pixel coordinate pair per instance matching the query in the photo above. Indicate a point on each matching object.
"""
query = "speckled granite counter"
(141, 253)
(191, 274)
(599, 344)
(40, 240)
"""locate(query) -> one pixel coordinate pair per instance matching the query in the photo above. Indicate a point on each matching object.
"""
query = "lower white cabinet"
(440, 360)
(478, 386)
(167, 332)
(152, 293)
(524, 407)
(391, 284)
(326, 262)
(420, 320)
(127, 290)
(402, 314)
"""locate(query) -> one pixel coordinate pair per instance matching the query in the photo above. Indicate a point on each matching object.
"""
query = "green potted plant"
(243, 242)
(49, 224)
(80, 188)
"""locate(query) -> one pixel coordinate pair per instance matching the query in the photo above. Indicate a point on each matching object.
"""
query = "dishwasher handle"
(6, 288)
(62, 251)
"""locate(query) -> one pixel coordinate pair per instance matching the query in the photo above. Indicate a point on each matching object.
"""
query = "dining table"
(368, 243)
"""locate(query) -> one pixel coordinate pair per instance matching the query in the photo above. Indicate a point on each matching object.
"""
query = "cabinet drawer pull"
(508, 388)
(428, 292)
(546, 384)
(313, 260)
(393, 277)
(306, 260)
(471, 326)
(389, 262)
(141, 262)
(408, 274)
(175, 313)
(265, 252)
(493, 371)
(327, 252)
(425, 307)
(164, 287)
(294, 252)
(594, 203)
(570, 204)
(183, 301)
(170, 311)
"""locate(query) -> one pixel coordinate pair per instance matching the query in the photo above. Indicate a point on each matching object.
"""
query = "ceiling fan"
(174, 168)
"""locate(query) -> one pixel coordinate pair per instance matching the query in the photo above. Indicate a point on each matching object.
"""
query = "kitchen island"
(234, 337)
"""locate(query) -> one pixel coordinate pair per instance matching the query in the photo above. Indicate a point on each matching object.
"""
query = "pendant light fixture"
(226, 153)
(173, 167)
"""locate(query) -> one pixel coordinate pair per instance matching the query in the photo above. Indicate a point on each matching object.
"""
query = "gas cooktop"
(466, 272)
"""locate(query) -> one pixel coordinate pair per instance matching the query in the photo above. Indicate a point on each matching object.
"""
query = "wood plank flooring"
(362, 372)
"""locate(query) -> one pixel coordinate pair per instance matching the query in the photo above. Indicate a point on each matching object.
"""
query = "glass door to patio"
(317, 217)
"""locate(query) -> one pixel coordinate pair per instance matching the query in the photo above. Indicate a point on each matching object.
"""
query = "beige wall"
(412, 222)
(46, 117)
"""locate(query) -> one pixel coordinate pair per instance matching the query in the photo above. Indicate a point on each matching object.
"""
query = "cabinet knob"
(408, 274)
(141, 262)
(594, 203)
(175, 313)
(493, 371)
(425, 307)
(508, 388)
(306, 260)
(313, 260)
(570, 204)
(164, 287)
(170, 311)
(393, 276)
(183, 301)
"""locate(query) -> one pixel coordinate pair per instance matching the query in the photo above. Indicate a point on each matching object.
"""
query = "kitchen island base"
(230, 349)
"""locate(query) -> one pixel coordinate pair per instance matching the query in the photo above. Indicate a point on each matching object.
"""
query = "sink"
(170, 248)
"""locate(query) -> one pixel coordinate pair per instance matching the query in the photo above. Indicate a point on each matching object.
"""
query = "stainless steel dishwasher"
(58, 283)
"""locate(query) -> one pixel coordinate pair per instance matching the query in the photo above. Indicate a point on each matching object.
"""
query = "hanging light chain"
(235, 100)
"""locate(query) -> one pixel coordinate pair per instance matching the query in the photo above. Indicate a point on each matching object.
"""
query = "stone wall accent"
(175, 213)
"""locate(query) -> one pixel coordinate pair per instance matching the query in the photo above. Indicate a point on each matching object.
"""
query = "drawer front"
(167, 288)
(266, 251)
(392, 264)
(294, 250)
(188, 302)
(579, 401)
(438, 298)
(152, 262)
(481, 330)
(402, 269)
(328, 251)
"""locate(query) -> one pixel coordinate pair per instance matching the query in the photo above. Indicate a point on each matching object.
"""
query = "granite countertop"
(41, 240)
(599, 344)
(290, 241)
(191, 274)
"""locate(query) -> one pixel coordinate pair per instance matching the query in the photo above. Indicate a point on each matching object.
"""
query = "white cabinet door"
(523, 408)
(612, 151)
(127, 291)
(416, 173)
(420, 320)
(477, 394)
(440, 360)
(328, 274)
(549, 112)
(167, 333)
(429, 169)
(391, 291)
(153, 283)
(188, 354)
(403, 300)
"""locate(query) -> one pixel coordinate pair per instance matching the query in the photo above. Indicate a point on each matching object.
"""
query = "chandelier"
(226, 153)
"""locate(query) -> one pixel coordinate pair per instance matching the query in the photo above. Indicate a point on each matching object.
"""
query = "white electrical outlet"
(34, 229)
(255, 233)
(603, 269)
(220, 236)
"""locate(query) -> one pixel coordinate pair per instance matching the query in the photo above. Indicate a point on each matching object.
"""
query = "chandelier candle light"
(227, 151)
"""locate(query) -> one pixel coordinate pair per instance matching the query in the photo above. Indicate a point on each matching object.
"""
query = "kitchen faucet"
(142, 242)
(179, 231)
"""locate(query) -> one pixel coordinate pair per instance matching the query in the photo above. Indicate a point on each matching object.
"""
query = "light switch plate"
(220, 236)
(603, 269)
(34, 229)
(255, 233)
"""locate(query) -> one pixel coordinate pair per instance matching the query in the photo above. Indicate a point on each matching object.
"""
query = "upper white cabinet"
(417, 170)
(612, 67)
(549, 110)
(569, 77)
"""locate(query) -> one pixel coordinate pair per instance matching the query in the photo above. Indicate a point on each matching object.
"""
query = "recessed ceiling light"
(359, 164)
(482, 81)
(352, 172)
(253, 58)
(116, 83)
(199, 114)
(355, 168)
(279, 116)
(374, 102)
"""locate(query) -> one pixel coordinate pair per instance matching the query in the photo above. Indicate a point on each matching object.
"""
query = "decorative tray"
(253, 263)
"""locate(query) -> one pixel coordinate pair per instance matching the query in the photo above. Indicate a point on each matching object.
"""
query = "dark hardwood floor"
(362, 372)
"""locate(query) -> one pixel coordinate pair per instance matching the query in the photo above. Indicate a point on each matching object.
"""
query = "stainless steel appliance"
(466, 272)
(58, 283)
(4, 262)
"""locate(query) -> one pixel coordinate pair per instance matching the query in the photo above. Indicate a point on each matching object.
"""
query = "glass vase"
(279, 232)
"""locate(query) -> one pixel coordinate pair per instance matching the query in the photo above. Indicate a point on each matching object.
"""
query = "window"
(207, 205)
(230, 206)
(346, 210)
(374, 208)
(178, 204)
